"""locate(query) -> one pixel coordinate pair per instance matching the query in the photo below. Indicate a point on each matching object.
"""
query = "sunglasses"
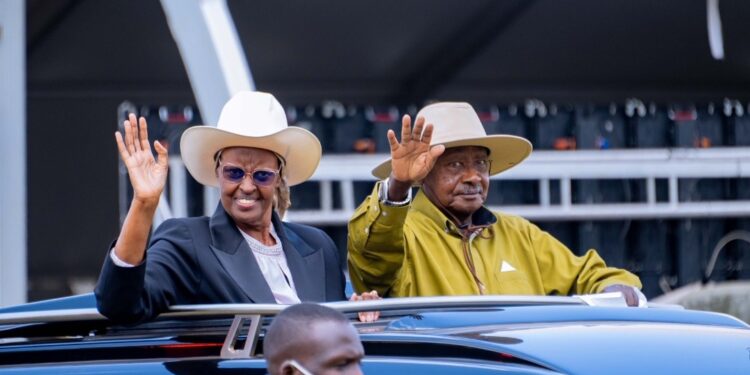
(260, 176)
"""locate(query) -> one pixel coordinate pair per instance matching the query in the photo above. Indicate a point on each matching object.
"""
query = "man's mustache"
(471, 189)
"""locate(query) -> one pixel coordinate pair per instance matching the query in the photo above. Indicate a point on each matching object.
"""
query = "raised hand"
(147, 175)
(413, 158)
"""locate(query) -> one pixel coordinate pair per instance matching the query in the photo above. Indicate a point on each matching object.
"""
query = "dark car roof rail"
(51, 316)
(410, 303)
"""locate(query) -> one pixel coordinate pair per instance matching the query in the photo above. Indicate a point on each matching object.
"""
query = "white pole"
(715, 35)
(12, 152)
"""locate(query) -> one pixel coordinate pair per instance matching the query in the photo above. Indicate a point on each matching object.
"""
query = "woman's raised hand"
(413, 158)
(147, 175)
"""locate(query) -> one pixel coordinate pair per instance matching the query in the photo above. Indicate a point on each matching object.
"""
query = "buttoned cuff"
(119, 262)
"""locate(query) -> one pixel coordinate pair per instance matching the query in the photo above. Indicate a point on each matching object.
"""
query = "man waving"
(443, 241)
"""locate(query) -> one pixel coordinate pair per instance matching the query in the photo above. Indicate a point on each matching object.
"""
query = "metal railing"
(230, 309)
(545, 168)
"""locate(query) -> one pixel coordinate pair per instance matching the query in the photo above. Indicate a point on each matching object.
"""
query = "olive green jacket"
(415, 250)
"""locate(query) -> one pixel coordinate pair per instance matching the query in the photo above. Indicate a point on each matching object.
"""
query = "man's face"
(248, 203)
(459, 180)
(334, 348)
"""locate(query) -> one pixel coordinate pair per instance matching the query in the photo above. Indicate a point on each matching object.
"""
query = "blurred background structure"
(653, 95)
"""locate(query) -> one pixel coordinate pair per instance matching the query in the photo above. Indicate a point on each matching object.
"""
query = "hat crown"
(253, 114)
(452, 121)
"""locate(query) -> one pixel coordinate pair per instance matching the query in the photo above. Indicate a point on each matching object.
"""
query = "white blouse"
(272, 263)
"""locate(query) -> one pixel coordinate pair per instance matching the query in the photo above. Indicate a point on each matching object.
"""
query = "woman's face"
(249, 200)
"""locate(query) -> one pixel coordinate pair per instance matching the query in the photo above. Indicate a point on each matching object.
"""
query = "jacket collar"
(480, 218)
(306, 264)
(237, 259)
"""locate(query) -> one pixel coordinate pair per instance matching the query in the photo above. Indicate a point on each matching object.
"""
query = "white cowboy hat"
(251, 119)
(456, 125)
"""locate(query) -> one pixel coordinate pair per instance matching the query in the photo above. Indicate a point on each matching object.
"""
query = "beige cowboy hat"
(251, 119)
(456, 125)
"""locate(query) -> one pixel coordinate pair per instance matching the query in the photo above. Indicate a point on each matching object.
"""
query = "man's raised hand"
(413, 158)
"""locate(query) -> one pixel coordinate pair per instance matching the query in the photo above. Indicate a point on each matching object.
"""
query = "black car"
(437, 335)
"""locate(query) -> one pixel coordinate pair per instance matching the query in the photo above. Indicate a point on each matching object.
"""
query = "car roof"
(80, 301)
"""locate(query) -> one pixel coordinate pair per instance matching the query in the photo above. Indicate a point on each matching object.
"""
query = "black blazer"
(206, 260)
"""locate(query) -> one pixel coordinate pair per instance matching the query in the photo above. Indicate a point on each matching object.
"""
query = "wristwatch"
(383, 195)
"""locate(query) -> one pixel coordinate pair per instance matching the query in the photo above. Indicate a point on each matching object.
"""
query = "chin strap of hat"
(466, 246)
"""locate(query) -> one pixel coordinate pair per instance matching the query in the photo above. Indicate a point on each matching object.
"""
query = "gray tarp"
(730, 297)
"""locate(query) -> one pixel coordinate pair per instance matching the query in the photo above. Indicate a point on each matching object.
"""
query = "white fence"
(649, 165)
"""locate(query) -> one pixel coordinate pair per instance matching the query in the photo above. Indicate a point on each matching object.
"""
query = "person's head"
(313, 338)
(459, 180)
(252, 183)
(252, 155)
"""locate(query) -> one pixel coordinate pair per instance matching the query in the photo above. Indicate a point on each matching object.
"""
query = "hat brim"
(300, 149)
(506, 151)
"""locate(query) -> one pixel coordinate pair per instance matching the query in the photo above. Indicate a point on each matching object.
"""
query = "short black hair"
(291, 324)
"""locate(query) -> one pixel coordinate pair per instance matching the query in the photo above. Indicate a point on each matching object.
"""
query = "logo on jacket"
(506, 267)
